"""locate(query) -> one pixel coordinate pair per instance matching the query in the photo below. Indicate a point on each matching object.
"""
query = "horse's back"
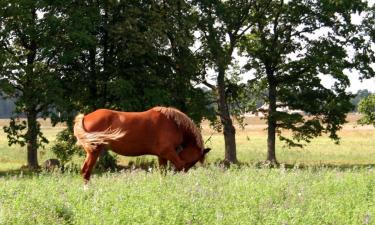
(101, 120)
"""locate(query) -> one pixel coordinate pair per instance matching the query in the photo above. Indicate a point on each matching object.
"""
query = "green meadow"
(322, 183)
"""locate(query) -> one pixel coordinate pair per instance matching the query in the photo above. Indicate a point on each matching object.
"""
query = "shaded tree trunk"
(31, 112)
(229, 130)
(31, 139)
(271, 122)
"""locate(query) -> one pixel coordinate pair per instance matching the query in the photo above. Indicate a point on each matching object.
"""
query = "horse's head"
(191, 155)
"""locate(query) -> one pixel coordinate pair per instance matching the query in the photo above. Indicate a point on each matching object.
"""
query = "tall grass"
(203, 196)
(317, 194)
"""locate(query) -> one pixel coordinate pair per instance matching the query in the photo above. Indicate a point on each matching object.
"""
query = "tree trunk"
(229, 130)
(271, 139)
(31, 139)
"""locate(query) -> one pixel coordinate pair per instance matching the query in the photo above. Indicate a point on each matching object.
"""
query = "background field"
(336, 185)
(357, 146)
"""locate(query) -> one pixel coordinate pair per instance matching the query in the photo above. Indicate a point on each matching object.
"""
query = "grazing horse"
(160, 131)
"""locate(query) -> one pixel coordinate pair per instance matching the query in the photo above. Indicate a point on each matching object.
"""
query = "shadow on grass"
(301, 166)
(21, 172)
(24, 171)
(290, 166)
(151, 165)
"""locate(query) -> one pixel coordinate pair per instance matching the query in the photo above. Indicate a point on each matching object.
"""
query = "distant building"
(281, 107)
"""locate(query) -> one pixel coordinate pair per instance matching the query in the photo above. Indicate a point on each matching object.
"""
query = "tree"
(367, 107)
(128, 56)
(358, 97)
(222, 24)
(27, 58)
(294, 43)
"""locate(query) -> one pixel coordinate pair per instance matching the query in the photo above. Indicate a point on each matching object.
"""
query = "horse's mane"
(182, 120)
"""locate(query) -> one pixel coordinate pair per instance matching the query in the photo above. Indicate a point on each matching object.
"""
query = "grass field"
(336, 185)
(202, 196)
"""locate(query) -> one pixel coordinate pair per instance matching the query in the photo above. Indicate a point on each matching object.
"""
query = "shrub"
(107, 161)
(367, 108)
(65, 146)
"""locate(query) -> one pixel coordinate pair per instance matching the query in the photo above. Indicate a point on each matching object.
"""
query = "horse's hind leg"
(91, 158)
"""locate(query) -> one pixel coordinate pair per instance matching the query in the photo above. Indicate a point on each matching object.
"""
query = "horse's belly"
(132, 150)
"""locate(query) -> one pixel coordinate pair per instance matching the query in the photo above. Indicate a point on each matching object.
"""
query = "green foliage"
(285, 51)
(65, 146)
(107, 161)
(130, 56)
(365, 54)
(17, 136)
(367, 107)
(13, 132)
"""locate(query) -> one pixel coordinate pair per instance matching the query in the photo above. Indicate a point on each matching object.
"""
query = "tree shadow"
(341, 167)
(148, 165)
(290, 166)
(21, 172)
(302, 166)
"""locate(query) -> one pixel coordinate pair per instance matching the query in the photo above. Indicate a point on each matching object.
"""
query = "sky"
(355, 83)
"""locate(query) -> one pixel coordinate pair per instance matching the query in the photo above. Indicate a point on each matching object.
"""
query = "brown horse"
(164, 132)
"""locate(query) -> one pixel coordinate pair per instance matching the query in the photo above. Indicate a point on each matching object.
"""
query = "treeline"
(76, 56)
(6, 107)
(358, 97)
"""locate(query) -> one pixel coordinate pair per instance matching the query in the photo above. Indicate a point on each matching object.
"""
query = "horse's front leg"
(171, 155)
(91, 158)
(162, 162)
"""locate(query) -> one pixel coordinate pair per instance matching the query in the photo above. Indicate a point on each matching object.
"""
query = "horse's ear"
(206, 150)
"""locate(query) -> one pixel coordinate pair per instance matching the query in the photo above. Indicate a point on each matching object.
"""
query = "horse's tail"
(89, 140)
(182, 121)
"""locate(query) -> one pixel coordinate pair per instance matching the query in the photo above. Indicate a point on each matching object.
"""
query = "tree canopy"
(292, 45)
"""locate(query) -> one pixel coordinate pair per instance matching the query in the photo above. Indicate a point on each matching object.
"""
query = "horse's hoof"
(86, 187)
